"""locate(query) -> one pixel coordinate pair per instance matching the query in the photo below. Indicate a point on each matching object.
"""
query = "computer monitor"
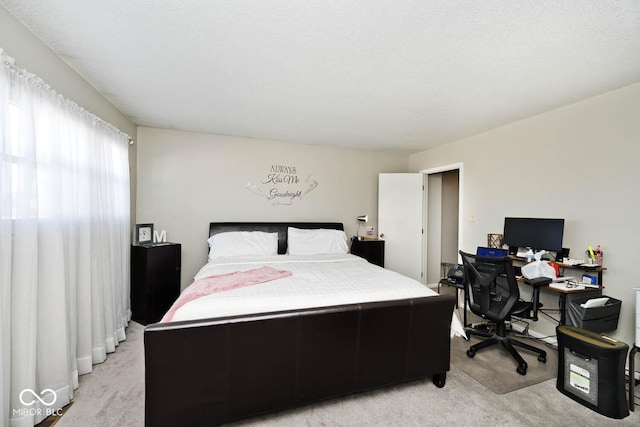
(534, 233)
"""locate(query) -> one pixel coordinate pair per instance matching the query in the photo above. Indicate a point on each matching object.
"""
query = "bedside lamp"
(361, 219)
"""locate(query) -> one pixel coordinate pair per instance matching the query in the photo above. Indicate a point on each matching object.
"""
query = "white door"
(400, 205)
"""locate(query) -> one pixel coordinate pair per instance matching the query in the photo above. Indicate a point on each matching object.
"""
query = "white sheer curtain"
(64, 245)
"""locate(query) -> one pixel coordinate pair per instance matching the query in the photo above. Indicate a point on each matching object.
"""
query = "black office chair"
(493, 294)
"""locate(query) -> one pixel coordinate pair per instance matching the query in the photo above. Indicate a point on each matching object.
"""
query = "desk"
(445, 267)
(564, 293)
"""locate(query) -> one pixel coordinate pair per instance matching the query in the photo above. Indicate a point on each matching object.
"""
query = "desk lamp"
(361, 219)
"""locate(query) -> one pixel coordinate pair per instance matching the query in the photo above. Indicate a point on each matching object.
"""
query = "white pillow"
(235, 243)
(316, 241)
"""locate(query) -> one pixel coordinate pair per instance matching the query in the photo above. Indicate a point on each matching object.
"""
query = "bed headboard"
(270, 227)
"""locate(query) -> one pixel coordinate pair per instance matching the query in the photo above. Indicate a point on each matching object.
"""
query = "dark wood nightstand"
(370, 249)
(155, 280)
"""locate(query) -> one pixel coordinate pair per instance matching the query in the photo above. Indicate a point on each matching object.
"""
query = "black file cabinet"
(370, 249)
(155, 280)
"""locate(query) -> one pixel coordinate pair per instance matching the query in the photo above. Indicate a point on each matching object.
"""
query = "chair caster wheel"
(542, 359)
(471, 353)
(522, 370)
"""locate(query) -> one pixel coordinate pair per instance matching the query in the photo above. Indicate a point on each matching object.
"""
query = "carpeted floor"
(494, 367)
(113, 396)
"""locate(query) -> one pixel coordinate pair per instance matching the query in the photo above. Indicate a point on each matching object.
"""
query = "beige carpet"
(494, 367)
(113, 394)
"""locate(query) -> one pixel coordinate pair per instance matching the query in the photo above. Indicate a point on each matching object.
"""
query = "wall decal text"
(282, 185)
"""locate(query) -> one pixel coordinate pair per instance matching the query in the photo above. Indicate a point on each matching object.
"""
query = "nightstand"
(370, 249)
(155, 280)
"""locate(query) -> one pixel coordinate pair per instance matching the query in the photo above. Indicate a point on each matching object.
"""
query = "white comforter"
(316, 281)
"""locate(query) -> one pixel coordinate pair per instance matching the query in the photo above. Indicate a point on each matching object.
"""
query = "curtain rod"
(10, 63)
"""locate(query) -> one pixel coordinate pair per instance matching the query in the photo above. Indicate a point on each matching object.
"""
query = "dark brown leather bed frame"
(206, 372)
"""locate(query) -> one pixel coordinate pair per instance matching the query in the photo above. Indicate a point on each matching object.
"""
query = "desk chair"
(493, 294)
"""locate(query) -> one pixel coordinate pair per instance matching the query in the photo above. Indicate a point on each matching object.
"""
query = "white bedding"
(317, 281)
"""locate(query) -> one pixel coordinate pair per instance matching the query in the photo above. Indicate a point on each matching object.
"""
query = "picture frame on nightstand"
(143, 234)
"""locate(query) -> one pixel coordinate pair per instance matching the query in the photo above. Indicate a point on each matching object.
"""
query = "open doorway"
(442, 220)
(421, 226)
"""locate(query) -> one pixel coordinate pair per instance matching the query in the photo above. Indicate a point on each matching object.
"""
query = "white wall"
(187, 180)
(580, 163)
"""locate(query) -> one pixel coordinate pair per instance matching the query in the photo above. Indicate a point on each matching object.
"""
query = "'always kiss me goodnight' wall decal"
(282, 185)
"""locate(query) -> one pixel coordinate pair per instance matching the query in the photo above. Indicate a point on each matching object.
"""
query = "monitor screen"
(534, 233)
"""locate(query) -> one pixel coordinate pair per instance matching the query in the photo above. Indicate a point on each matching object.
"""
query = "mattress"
(316, 281)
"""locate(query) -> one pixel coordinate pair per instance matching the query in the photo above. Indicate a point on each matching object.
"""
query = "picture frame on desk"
(143, 234)
(370, 233)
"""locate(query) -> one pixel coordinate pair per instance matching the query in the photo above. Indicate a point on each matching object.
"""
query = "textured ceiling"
(373, 74)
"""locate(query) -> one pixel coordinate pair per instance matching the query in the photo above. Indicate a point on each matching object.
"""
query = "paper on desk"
(565, 286)
(564, 278)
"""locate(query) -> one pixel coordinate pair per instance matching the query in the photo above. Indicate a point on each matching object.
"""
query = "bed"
(204, 368)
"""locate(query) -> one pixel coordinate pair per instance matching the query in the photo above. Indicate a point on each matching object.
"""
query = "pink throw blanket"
(224, 282)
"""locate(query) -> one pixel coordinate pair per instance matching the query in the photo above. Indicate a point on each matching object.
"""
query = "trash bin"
(591, 370)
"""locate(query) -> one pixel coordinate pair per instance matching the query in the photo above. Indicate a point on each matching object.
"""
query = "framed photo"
(144, 234)
(370, 232)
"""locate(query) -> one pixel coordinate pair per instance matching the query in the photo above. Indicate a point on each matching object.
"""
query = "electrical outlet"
(472, 218)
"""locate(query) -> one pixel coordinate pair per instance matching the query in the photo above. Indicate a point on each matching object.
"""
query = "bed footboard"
(207, 372)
